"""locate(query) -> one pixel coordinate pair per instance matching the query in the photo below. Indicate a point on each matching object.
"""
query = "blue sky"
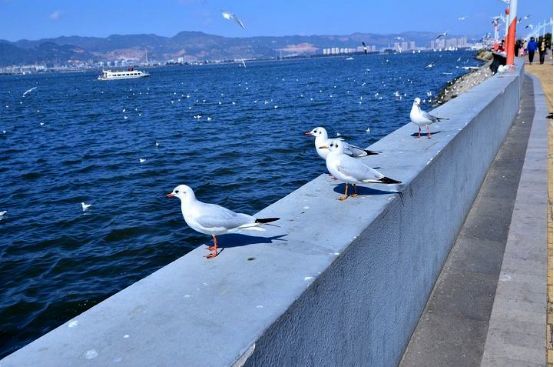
(34, 19)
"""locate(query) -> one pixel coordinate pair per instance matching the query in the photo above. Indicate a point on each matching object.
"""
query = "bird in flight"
(230, 16)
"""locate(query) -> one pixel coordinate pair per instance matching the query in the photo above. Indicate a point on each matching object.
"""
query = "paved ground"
(453, 328)
(544, 73)
(516, 335)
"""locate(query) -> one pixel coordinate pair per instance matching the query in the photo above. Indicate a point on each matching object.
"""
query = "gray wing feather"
(354, 151)
(357, 170)
(430, 117)
(215, 216)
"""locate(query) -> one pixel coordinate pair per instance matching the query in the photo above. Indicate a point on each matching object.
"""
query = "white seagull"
(322, 143)
(444, 34)
(230, 16)
(28, 91)
(422, 118)
(2, 213)
(85, 206)
(352, 171)
(213, 219)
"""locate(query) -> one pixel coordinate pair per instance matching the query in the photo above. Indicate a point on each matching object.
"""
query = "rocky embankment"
(467, 81)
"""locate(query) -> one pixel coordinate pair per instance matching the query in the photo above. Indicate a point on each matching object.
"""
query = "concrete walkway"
(453, 329)
(516, 335)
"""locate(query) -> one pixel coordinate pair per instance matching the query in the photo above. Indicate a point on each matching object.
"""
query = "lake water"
(233, 134)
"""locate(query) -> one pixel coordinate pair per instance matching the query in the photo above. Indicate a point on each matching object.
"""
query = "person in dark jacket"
(531, 48)
(542, 49)
(517, 46)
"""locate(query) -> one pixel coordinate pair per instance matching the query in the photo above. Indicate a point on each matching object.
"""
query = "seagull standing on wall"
(352, 171)
(422, 118)
(322, 143)
(213, 219)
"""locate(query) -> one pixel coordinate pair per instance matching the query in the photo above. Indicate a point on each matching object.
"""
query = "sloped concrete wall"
(336, 283)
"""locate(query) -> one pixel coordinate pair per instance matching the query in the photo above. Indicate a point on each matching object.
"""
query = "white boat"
(122, 74)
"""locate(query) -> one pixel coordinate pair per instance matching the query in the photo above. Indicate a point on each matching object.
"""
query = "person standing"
(531, 48)
(542, 49)
(517, 47)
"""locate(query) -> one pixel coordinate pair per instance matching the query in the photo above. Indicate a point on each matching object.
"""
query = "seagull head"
(417, 101)
(336, 146)
(317, 132)
(182, 192)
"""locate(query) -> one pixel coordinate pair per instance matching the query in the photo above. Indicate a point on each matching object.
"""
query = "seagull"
(422, 118)
(365, 47)
(142, 160)
(2, 213)
(85, 206)
(322, 143)
(213, 219)
(461, 19)
(444, 34)
(28, 91)
(529, 26)
(230, 16)
(350, 170)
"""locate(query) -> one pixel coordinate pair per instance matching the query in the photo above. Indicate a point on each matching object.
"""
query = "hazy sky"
(34, 19)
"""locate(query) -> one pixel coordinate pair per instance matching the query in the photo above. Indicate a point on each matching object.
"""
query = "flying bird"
(444, 34)
(2, 213)
(213, 219)
(28, 91)
(529, 26)
(422, 118)
(230, 16)
(322, 143)
(461, 19)
(352, 171)
(365, 47)
(85, 206)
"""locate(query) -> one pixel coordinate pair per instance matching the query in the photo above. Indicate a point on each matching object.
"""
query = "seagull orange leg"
(355, 194)
(345, 196)
(419, 131)
(213, 248)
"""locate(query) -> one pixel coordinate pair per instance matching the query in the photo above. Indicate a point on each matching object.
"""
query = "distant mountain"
(193, 46)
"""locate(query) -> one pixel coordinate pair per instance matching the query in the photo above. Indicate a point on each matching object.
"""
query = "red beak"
(170, 195)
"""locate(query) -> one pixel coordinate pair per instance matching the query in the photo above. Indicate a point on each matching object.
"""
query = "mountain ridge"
(191, 45)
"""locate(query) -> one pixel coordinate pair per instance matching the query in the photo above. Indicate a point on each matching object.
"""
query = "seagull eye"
(176, 191)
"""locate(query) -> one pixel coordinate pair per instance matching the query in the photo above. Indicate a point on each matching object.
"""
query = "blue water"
(56, 261)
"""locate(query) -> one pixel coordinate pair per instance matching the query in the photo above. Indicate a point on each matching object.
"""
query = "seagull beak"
(170, 195)
(308, 133)
(324, 147)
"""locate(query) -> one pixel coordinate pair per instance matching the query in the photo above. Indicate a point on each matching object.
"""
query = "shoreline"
(463, 83)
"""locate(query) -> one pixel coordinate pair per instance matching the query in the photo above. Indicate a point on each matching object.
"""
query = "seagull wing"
(239, 22)
(357, 170)
(354, 151)
(215, 216)
(430, 117)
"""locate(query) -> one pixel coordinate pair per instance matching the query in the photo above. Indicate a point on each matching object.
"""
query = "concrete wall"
(337, 283)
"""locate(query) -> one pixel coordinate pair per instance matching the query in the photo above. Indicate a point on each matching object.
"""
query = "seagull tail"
(388, 180)
(265, 220)
(370, 152)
